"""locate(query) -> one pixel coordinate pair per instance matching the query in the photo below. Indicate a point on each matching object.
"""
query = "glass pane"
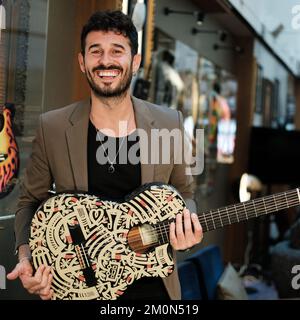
(22, 53)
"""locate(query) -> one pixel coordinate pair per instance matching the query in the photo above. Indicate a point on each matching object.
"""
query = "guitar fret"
(275, 202)
(163, 230)
(245, 210)
(224, 214)
(220, 217)
(286, 200)
(254, 207)
(264, 205)
(228, 215)
(212, 218)
(204, 217)
(252, 210)
(236, 213)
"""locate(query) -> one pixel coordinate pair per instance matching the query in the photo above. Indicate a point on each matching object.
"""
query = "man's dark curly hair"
(115, 21)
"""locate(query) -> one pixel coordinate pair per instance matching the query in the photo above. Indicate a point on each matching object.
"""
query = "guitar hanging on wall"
(97, 248)
(9, 154)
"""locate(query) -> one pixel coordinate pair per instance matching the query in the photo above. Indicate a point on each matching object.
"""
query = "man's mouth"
(108, 74)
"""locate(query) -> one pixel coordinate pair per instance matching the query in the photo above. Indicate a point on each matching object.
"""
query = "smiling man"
(69, 152)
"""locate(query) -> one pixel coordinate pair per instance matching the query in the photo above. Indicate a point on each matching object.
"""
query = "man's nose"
(105, 59)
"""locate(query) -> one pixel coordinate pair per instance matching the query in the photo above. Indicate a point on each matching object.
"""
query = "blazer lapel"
(77, 144)
(144, 120)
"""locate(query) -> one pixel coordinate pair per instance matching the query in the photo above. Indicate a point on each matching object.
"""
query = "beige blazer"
(59, 156)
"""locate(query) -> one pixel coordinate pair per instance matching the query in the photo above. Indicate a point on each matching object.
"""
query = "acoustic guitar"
(97, 248)
(9, 154)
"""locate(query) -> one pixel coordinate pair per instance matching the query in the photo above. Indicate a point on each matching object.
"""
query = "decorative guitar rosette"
(98, 248)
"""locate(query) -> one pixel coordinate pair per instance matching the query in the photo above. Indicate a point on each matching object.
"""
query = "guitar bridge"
(84, 260)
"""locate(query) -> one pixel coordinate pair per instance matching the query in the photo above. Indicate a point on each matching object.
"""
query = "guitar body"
(9, 154)
(97, 248)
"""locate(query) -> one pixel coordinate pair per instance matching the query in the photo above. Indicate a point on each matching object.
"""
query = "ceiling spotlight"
(237, 49)
(199, 15)
(277, 31)
(222, 34)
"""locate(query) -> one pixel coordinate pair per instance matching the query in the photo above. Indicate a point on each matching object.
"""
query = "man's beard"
(109, 92)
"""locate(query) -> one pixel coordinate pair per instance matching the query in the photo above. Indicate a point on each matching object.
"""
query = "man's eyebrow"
(97, 45)
(118, 46)
(94, 46)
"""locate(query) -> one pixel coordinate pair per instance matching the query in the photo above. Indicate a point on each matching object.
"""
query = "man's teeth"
(108, 73)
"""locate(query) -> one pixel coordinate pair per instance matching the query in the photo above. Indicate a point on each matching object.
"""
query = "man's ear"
(136, 63)
(81, 62)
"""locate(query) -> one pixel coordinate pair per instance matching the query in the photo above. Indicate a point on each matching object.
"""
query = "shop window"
(22, 54)
(203, 92)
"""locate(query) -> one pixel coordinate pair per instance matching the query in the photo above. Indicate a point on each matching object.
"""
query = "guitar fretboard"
(243, 211)
(2, 69)
(219, 218)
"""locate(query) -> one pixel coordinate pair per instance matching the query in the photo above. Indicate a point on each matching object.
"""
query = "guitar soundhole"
(142, 238)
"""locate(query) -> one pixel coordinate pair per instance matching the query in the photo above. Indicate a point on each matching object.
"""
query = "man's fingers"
(198, 232)
(21, 268)
(173, 239)
(43, 281)
(47, 296)
(179, 228)
(39, 273)
(47, 287)
(188, 231)
(31, 281)
(14, 274)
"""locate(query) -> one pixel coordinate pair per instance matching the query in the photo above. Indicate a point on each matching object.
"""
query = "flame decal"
(9, 155)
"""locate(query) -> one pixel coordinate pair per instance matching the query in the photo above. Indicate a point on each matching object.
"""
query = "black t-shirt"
(126, 176)
(125, 179)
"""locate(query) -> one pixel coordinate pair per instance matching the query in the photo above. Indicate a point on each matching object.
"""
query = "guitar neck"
(3, 70)
(219, 218)
(243, 211)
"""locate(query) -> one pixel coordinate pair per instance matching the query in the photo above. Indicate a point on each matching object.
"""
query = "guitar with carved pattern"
(97, 248)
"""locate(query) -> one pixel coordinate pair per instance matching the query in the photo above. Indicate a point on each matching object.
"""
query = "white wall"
(265, 16)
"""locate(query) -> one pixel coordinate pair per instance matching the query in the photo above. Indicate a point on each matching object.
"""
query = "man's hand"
(187, 233)
(39, 283)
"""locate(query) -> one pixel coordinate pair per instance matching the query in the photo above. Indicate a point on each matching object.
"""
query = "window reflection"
(22, 52)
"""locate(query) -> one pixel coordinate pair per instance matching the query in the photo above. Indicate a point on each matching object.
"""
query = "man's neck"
(107, 113)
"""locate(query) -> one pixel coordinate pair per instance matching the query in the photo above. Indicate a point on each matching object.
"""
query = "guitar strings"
(213, 223)
(264, 206)
(261, 205)
(164, 228)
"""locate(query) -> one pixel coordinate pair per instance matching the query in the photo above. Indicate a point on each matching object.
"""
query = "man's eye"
(117, 52)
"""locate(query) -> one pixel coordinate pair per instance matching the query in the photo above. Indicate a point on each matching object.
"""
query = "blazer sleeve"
(179, 178)
(34, 187)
